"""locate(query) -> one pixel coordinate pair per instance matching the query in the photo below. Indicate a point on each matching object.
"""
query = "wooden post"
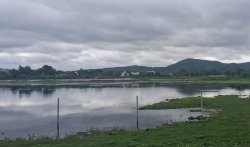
(201, 105)
(137, 118)
(58, 119)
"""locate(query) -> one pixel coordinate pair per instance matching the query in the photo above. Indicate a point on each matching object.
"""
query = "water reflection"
(32, 109)
(26, 91)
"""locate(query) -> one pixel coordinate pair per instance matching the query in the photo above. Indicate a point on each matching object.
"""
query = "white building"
(124, 74)
(151, 72)
(135, 73)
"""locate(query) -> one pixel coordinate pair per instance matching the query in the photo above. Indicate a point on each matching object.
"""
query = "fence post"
(137, 118)
(58, 100)
(201, 105)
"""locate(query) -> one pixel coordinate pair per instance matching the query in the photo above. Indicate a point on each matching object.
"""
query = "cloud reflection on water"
(85, 108)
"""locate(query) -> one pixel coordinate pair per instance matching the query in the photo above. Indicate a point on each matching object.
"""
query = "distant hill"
(194, 65)
(3, 70)
(188, 66)
(134, 68)
(245, 65)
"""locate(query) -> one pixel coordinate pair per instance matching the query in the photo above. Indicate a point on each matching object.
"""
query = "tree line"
(48, 72)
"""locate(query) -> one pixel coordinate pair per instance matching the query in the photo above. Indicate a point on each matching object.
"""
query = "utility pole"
(201, 105)
(58, 118)
(137, 118)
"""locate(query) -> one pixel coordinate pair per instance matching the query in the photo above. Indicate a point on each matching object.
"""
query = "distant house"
(63, 75)
(124, 74)
(66, 74)
(76, 73)
(217, 76)
(135, 73)
(151, 72)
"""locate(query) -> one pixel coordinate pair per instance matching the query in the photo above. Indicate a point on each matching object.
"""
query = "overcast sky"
(73, 34)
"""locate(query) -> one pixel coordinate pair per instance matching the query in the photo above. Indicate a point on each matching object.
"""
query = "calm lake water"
(27, 110)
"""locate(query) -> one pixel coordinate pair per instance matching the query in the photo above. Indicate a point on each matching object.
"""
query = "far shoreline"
(68, 82)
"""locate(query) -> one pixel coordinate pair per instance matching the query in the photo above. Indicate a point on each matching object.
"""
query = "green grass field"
(228, 128)
(199, 80)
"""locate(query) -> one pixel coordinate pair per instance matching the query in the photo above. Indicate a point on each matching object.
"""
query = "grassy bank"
(191, 102)
(199, 80)
(229, 127)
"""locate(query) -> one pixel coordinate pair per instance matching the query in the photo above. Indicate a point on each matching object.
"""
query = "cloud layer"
(93, 33)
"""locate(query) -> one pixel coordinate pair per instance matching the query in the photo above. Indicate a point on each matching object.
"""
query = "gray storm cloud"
(94, 33)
